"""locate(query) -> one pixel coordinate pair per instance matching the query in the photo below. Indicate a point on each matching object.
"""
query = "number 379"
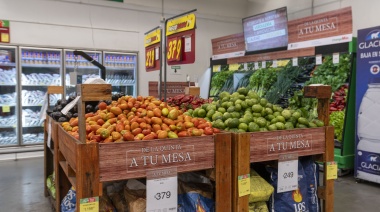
(174, 49)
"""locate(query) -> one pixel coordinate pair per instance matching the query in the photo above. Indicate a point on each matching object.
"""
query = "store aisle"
(21, 189)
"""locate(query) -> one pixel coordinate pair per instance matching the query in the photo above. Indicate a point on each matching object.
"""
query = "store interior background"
(108, 25)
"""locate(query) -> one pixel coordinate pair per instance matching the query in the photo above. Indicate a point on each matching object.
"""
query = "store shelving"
(40, 68)
(121, 70)
(8, 96)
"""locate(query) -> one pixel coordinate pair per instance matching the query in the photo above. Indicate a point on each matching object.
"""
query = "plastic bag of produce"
(69, 202)
(312, 177)
(195, 197)
(260, 188)
(105, 204)
(135, 196)
(258, 207)
(290, 201)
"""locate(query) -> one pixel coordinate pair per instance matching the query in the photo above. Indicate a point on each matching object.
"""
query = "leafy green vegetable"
(337, 120)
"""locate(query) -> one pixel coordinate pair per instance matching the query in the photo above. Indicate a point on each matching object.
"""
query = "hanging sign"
(4, 31)
(228, 46)
(180, 45)
(321, 29)
(152, 44)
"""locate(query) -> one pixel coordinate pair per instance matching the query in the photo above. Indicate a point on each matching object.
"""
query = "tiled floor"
(21, 189)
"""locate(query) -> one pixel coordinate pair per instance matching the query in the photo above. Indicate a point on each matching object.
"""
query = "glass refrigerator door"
(78, 69)
(121, 72)
(8, 96)
(40, 68)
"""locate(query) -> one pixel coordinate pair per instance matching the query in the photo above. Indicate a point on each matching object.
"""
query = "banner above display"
(4, 31)
(152, 44)
(228, 46)
(321, 29)
(273, 55)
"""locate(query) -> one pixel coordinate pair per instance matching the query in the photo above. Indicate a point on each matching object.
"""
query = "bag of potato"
(258, 207)
(105, 204)
(194, 196)
(135, 196)
(261, 190)
(116, 194)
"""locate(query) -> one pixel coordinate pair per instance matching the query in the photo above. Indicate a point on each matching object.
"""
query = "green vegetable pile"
(262, 79)
(245, 111)
(337, 120)
(219, 80)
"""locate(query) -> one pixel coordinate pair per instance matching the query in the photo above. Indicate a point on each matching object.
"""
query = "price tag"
(264, 64)
(157, 49)
(287, 173)
(49, 134)
(216, 68)
(256, 65)
(274, 64)
(5, 37)
(246, 66)
(318, 59)
(295, 61)
(188, 44)
(244, 185)
(150, 58)
(174, 50)
(6, 109)
(162, 194)
(89, 204)
(332, 170)
(336, 58)
(234, 67)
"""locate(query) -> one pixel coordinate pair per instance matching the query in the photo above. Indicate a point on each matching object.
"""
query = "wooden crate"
(87, 165)
(267, 146)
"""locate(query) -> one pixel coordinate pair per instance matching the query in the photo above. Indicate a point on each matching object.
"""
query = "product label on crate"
(332, 170)
(287, 173)
(49, 134)
(89, 204)
(368, 162)
(244, 185)
(162, 190)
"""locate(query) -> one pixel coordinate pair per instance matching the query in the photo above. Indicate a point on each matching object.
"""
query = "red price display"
(149, 58)
(174, 50)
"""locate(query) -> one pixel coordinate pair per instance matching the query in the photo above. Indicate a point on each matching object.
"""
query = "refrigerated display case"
(121, 69)
(40, 68)
(78, 70)
(8, 96)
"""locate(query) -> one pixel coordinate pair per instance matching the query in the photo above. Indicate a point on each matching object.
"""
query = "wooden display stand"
(49, 151)
(87, 165)
(257, 147)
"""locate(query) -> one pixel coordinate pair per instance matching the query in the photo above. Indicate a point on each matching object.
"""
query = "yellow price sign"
(152, 37)
(234, 67)
(5, 37)
(89, 204)
(174, 51)
(6, 109)
(244, 185)
(216, 68)
(149, 58)
(332, 170)
(180, 24)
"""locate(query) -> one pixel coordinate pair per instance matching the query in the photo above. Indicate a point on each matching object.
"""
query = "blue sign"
(368, 105)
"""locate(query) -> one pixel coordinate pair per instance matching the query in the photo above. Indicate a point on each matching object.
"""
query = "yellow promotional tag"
(234, 67)
(332, 170)
(5, 37)
(244, 185)
(216, 68)
(89, 204)
(6, 109)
